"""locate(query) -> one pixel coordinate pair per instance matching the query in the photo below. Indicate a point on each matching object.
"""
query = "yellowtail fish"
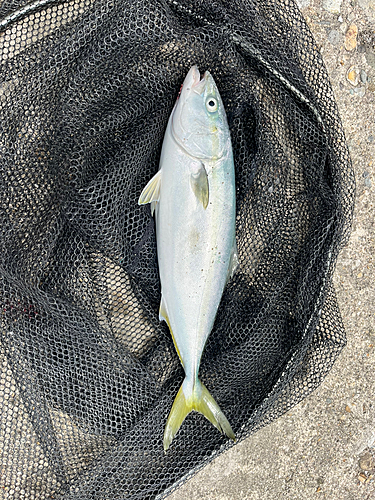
(193, 197)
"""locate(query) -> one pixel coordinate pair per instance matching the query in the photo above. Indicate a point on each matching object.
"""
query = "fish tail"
(199, 399)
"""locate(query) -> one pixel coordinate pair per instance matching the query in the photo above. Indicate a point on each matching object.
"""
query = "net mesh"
(88, 373)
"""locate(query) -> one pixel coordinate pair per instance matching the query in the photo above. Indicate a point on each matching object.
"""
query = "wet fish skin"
(193, 196)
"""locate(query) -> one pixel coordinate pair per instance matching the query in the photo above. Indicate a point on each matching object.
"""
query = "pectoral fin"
(151, 192)
(199, 185)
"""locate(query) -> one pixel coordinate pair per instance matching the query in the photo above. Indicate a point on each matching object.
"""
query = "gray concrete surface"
(324, 448)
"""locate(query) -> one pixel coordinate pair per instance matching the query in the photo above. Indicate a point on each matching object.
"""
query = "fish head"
(198, 122)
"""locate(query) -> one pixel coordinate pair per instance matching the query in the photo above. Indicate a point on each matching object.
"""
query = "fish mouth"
(199, 84)
(195, 76)
(194, 82)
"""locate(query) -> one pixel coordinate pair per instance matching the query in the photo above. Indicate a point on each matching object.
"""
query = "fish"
(193, 199)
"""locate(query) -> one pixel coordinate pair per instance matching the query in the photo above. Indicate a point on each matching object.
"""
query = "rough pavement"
(324, 448)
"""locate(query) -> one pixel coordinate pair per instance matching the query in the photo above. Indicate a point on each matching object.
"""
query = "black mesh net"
(88, 373)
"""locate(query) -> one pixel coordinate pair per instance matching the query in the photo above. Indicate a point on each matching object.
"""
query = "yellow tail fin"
(199, 400)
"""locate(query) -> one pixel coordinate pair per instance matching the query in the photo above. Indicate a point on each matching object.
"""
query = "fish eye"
(211, 104)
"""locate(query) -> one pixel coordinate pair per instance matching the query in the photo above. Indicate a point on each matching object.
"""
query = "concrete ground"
(324, 448)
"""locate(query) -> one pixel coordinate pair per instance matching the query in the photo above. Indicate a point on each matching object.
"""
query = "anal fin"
(153, 206)
(163, 316)
(233, 261)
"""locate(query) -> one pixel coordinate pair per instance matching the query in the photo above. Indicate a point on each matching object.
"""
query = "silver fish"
(193, 197)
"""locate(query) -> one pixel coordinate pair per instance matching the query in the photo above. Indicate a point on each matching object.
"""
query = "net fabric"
(88, 373)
